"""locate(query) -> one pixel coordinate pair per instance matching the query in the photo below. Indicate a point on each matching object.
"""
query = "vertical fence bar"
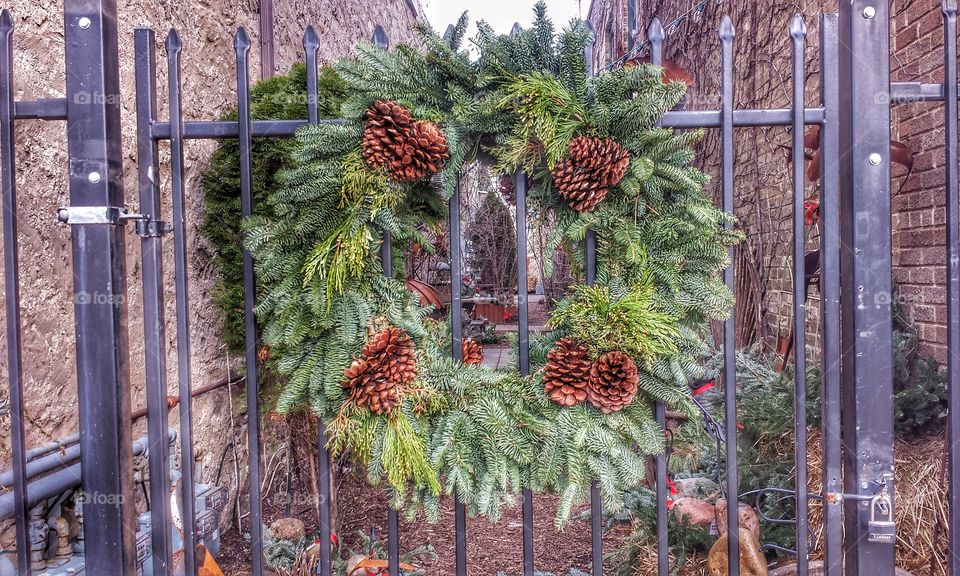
(11, 277)
(798, 33)
(241, 45)
(866, 260)
(655, 36)
(523, 347)
(154, 321)
(456, 332)
(381, 41)
(590, 262)
(174, 47)
(727, 35)
(311, 44)
(830, 295)
(95, 150)
(949, 8)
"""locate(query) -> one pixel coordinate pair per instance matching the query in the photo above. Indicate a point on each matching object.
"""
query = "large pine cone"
(567, 373)
(387, 128)
(387, 362)
(592, 166)
(472, 352)
(409, 150)
(613, 382)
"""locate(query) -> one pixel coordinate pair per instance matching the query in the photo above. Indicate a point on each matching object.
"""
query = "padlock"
(882, 531)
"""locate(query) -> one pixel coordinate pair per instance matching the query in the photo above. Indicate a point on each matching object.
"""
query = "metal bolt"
(94, 177)
(84, 22)
(864, 485)
(876, 159)
(869, 12)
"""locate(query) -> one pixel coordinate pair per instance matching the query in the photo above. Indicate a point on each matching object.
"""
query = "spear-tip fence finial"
(6, 20)
(517, 28)
(448, 33)
(380, 39)
(174, 44)
(311, 42)
(949, 8)
(727, 31)
(798, 27)
(241, 42)
(655, 31)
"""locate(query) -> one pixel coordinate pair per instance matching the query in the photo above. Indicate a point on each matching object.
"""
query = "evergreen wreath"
(361, 353)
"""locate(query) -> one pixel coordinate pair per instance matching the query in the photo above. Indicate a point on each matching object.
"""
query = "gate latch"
(147, 227)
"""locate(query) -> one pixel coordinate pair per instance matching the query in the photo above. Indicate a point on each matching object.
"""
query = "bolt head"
(94, 177)
(84, 22)
(875, 159)
(869, 12)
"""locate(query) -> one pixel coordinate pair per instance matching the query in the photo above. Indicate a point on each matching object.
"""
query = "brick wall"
(919, 212)
(762, 52)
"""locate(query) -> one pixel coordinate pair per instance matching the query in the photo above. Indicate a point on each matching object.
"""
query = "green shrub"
(278, 98)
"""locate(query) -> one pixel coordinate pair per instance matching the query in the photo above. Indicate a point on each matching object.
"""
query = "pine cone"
(613, 382)
(387, 362)
(409, 150)
(472, 352)
(422, 154)
(592, 166)
(567, 373)
(387, 128)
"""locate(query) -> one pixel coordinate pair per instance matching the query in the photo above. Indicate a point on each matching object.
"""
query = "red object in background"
(811, 211)
(703, 388)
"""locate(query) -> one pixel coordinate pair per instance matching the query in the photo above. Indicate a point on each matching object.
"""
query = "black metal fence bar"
(154, 322)
(866, 252)
(381, 41)
(11, 277)
(655, 36)
(456, 336)
(590, 265)
(523, 347)
(94, 148)
(727, 34)
(830, 296)
(949, 8)
(43, 109)
(798, 33)
(182, 296)
(741, 118)
(311, 44)
(242, 47)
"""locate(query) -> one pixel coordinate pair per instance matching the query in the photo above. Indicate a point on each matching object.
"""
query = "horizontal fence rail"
(834, 115)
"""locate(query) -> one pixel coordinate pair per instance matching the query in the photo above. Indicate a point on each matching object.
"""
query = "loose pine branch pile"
(358, 349)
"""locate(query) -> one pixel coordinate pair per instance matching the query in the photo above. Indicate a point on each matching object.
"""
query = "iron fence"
(854, 118)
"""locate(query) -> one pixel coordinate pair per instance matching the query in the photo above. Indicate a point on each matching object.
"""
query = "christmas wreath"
(360, 351)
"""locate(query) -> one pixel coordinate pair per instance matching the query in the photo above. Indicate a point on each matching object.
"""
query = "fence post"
(866, 261)
(99, 284)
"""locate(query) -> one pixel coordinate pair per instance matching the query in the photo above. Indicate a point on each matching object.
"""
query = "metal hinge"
(146, 226)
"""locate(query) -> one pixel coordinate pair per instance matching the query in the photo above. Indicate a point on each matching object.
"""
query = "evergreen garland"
(277, 98)
(463, 430)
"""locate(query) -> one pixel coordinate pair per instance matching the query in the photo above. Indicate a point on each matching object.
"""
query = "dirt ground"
(491, 548)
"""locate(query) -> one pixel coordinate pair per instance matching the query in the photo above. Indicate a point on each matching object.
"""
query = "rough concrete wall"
(206, 28)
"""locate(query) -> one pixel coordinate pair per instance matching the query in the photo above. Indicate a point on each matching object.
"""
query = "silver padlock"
(882, 531)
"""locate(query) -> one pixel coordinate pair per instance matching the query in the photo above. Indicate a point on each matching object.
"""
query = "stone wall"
(206, 28)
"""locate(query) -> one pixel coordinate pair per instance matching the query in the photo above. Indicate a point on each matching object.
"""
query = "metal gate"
(856, 267)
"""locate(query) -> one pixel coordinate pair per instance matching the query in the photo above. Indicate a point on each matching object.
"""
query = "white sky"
(501, 14)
